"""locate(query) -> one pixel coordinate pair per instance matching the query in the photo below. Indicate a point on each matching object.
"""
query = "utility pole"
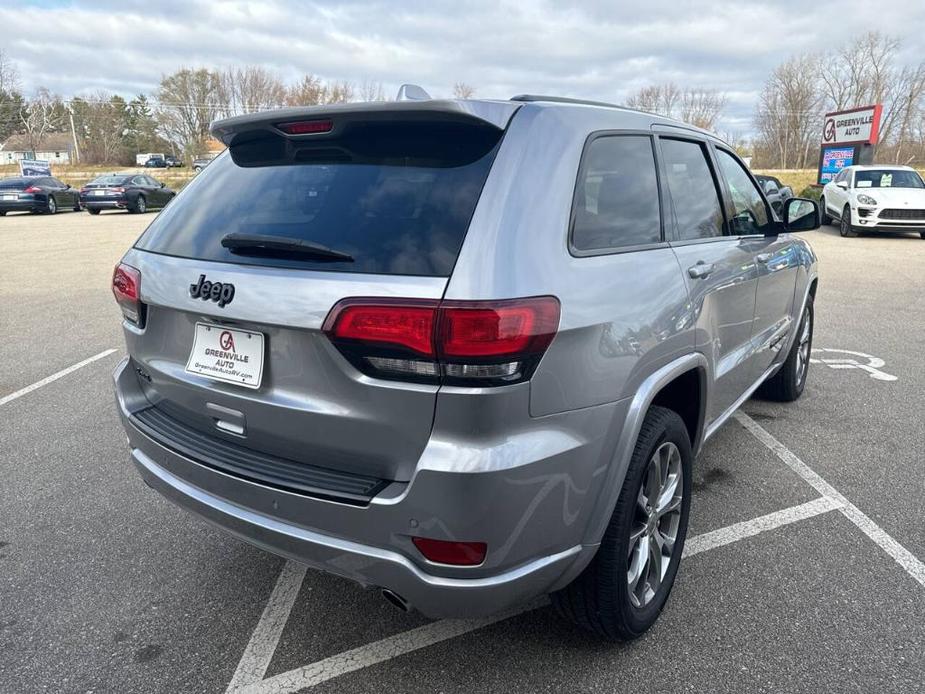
(70, 112)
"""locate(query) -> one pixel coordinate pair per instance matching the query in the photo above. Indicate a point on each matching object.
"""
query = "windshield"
(107, 181)
(397, 199)
(887, 178)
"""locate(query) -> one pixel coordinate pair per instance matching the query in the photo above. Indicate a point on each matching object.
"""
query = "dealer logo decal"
(226, 340)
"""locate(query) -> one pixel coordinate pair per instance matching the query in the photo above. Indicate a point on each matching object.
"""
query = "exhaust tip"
(396, 600)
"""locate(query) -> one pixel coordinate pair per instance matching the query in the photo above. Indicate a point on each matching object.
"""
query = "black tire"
(788, 383)
(52, 205)
(921, 233)
(599, 600)
(2, 213)
(140, 206)
(77, 206)
(844, 224)
(93, 210)
(826, 219)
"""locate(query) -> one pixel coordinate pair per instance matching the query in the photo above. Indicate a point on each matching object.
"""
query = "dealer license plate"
(223, 354)
(8, 197)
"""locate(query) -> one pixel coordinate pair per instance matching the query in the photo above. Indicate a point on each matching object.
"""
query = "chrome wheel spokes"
(656, 519)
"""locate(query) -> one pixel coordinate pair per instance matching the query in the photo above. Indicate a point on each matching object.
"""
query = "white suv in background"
(875, 198)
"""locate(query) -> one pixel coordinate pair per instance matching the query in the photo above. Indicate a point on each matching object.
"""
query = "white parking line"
(749, 528)
(54, 377)
(908, 561)
(262, 646)
(259, 652)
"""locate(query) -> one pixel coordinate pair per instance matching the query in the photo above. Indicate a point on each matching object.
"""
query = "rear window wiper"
(261, 244)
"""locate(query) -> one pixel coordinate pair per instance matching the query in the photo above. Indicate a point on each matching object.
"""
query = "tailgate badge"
(220, 293)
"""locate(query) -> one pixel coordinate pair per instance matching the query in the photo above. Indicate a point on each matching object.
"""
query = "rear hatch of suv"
(227, 293)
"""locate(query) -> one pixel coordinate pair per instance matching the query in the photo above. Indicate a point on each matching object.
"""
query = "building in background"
(56, 148)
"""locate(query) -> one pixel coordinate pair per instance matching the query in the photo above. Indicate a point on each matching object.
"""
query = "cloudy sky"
(594, 49)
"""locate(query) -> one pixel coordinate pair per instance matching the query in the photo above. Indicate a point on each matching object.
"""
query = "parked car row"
(137, 193)
(167, 162)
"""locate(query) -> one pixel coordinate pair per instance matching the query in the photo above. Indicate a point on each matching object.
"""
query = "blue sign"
(834, 159)
(34, 167)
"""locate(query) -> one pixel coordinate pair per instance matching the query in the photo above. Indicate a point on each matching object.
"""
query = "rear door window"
(616, 199)
(694, 197)
(396, 197)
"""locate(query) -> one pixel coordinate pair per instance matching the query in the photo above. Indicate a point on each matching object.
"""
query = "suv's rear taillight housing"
(475, 343)
(126, 287)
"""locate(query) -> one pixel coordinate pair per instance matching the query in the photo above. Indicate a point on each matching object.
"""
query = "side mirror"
(800, 214)
(163, 185)
(842, 184)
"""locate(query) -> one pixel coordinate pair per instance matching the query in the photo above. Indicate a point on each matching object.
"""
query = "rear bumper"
(23, 205)
(90, 203)
(533, 518)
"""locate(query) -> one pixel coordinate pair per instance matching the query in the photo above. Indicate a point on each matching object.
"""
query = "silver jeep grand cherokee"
(461, 351)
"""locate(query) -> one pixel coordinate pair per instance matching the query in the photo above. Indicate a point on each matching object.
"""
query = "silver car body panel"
(533, 469)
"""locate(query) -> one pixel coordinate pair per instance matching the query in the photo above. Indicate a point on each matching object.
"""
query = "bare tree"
(188, 101)
(461, 90)
(697, 105)
(662, 99)
(702, 107)
(251, 88)
(41, 115)
(9, 75)
(311, 90)
(371, 91)
(789, 112)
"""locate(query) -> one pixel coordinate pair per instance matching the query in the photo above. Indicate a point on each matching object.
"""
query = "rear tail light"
(306, 127)
(126, 286)
(451, 552)
(117, 190)
(33, 189)
(476, 343)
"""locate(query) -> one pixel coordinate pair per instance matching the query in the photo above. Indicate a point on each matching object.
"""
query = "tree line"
(787, 121)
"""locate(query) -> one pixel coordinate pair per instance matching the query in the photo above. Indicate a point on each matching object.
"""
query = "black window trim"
(705, 144)
(615, 250)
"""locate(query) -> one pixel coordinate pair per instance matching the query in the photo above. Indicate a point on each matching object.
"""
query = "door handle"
(701, 270)
(764, 257)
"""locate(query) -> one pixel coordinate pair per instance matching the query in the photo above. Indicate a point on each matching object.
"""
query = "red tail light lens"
(404, 324)
(478, 329)
(33, 189)
(126, 287)
(306, 127)
(450, 552)
(450, 342)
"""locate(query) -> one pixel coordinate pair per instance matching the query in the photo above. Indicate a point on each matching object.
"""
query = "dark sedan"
(156, 163)
(36, 194)
(776, 192)
(136, 193)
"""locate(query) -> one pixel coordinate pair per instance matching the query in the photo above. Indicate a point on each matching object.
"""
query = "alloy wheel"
(654, 530)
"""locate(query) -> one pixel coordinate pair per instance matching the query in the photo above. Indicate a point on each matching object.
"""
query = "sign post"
(848, 137)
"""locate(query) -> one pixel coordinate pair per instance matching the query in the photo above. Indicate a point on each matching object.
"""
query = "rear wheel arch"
(685, 396)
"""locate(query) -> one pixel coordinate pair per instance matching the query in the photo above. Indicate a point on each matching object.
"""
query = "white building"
(55, 147)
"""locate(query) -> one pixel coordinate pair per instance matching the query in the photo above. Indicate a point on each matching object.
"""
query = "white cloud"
(600, 50)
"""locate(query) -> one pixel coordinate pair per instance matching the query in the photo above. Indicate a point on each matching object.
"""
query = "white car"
(875, 198)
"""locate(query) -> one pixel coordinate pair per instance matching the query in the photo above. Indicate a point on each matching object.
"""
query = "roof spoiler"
(495, 114)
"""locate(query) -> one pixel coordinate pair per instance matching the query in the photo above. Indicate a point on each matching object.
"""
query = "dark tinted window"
(108, 181)
(617, 194)
(749, 215)
(396, 197)
(17, 183)
(693, 192)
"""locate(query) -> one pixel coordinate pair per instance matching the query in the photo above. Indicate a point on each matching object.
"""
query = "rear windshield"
(107, 181)
(15, 182)
(397, 198)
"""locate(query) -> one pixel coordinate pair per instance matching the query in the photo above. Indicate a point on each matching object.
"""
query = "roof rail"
(562, 100)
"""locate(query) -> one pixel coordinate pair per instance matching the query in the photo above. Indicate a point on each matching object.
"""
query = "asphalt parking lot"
(805, 549)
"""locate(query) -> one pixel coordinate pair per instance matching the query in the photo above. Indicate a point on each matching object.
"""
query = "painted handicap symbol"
(857, 360)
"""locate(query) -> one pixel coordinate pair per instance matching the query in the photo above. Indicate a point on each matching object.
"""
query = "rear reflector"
(450, 552)
(306, 127)
(126, 287)
(450, 342)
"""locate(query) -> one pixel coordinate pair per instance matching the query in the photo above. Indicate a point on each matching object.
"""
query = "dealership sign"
(857, 126)
(34, 167)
